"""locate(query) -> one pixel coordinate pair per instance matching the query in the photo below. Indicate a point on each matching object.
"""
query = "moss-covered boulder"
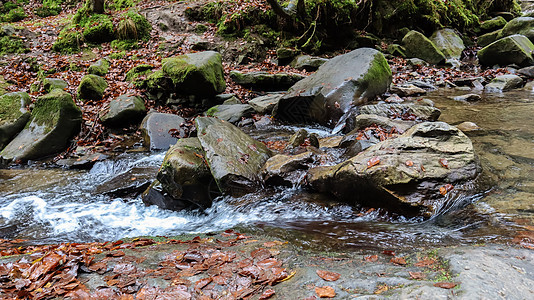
(419, 46)
(92, 87)
(124, 111)
(13, 115)
(339, 84)
(488, 38)
(98, 29)
(137, 71)
(514, 49)
(54, 121)
(50, 84)
(492, 25)
(234, 158)
(68, 42)
(199, 74)
(133, 26)
(522, 25)
(448, 42)
(100, 68)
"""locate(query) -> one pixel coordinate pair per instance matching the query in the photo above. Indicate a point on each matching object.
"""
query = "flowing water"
(56, 205)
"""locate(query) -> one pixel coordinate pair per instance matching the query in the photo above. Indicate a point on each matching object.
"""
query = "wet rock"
(366, 120)
(100, 68)
(402, 111)
(130, 183)
(83, 162)
(419, 46)
(50, 84)
(407, 90)
(397, 50)
(266, 81)
(183, 178)
(344, 81)
(355, 143)
(504, 83)
(468, 81)
(308, 63)
(160, 131)
(263, 122)
(235, 159)
(488, 38)
(423, 84)
(467, 126)
(467, 97)
(286, 55)
(298, 138)
(394, 99)
(288, 170)
(514, 49)
(448, 42)
(494, 24)
(92, 87)
(313, 138)
(124, 111)
(264, 105)
(529, 86)
(521, 25)
(13, 115)
(199, 74)
(527, 71)
(408, 174)
(232, 113)
(54, 121)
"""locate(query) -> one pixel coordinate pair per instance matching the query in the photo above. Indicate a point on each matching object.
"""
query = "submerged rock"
(514, 49)
(123, 111)
(266, 81)
(344, 81)
(467, 97)
(235, 159)
(419, 46)
(54, 121)
(160, 130)
(130, 183)
(448, 42)
(504, 83)
(13, 115)
(412, 174)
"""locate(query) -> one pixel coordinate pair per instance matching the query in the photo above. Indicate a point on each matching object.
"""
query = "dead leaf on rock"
(267, 294)
(328, 276)
(381, 288)
(445, 285)
(398, 261)
(325, 292)
(371, 258)
(416, 275)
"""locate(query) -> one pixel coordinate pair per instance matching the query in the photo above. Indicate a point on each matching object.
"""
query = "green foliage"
(68, 41)
(118, 55)
(12, 44)
(134, 27)
(49, 8)
(14, 15)
(137, 71)
(98, 28)
(121, 4)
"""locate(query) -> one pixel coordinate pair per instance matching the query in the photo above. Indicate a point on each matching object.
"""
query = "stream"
(57, 205)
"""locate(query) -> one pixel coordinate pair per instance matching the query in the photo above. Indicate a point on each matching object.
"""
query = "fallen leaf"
(416, 275)
(325, 292)
(398, 261)
(388, 252)
(445, 285)
(267, 294)
(381, 288)
(373, 162)
(409, 163)
(445, 189)
(328, 276)
(444, 163)
(371, 258)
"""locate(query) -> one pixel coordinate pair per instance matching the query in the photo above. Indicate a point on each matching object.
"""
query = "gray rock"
(521, 25)
(298, 138)
(265, 80)
(264, 105)
(232, 113)
(419, 46)
(408, 174)
(406, 90)
(529, 86)
(50, 84)
(504, 83)
(84, 161)
(199, 74)
(416, 62)
(488, 38)
(100, 68)
(467, 97)
(130, 183)
(344, 81)
(160, 131)
(235, 159)
(423, 84)
(13, 115)
(403, 111)
(286, 55)
(396, 50)
(467, 126)
(366, 120)
(514, 49)
(124, 111)
(54, 121)
(92, 87)
(448, 42)
(527, 71)
(232, 100)
(287, 170)
(496, 23)
(308, 63)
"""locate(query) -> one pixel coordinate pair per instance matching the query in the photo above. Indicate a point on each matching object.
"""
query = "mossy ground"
(10, 105)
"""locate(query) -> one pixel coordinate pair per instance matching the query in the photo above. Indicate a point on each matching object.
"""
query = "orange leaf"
(416, 275)
(398, 261)
(327, 275)
(409, 163)
(445, 189)
(445, 285)
(373, 162)
(444, 163)
(325, 292)
(371, 258)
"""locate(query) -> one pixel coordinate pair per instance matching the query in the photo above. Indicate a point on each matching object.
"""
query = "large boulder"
(199, 74)
(265, 81)
(92, 87)
(160, 130)
(50, 84)
(488, 38)
(522, 25)
(123, 111)
(264, 105)
(448, 42)
(415, 174)
(54, 121)
(504, 83)
(235, 159)
(402, 111)
(13, 115)
(419, 46)
(342, 82)
(514, 49)
(492, 24)
(184, 178)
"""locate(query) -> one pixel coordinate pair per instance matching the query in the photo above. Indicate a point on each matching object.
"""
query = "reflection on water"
(57, 205)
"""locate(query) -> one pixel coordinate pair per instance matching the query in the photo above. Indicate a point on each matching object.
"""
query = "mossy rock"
(419, 46)
(522, 25)
(13, 115)
(100, 68)
(198, 73)
(68, 42)
(139, 70)
(514, 49)
(492, 25)
(397, 50)
(92, 87)
(133, 26)
(54, 121)
(98, 29)
(50, 84)
(488, 38)
(124, 111)
(448, 42)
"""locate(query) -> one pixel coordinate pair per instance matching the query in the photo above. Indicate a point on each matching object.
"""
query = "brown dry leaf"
(200, 284)
(416, 275)
(445, 285)
(371, 258)
(388, 252)
(445, 189)
(327, 275)
(373, 162)
(381, 288)
(409, 163)
(325, 292)
(444, 163)
(425, 262)
(267, 294)
(273, 244)
(116, 254)
(398, 261)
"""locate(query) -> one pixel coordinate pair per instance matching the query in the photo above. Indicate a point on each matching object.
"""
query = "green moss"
(100, 68)
(12, 44)
(133, 26)
(124, 44)
(10, 106)
(92, 87)
(14, 15)
(118, 55)
(48, 108)
(121, 4)
(201, 28)
(177, 68)
(98, 29)
(138, 71)
(212, 111)
(378, 72)
(155, 80)
(68, 41)
(49, 8)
